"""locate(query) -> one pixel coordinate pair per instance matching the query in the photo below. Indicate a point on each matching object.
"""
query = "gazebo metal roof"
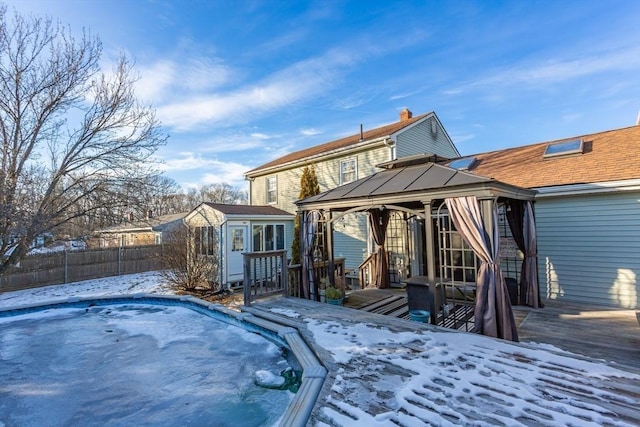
(410, 184)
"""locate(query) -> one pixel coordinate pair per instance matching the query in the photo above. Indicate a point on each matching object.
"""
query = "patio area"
(592, 331)
(384, 370)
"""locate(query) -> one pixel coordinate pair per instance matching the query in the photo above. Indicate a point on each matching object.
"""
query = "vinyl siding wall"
(327, 171)
(420, 140)
(589, 248)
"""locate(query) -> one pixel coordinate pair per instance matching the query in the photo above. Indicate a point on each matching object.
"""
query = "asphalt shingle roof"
(612, 155)
(373, 134)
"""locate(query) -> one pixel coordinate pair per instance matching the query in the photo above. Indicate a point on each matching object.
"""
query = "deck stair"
(395, 305)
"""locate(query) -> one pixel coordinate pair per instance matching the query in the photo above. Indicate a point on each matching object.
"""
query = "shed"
(232, 230)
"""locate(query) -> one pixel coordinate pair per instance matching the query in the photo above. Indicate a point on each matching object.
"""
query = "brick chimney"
(405, 115)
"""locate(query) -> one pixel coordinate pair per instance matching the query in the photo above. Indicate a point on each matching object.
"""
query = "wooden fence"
(73, 266)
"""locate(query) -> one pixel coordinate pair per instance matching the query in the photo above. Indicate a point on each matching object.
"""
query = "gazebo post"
(431, 252)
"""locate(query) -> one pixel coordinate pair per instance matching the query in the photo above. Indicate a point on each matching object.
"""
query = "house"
(149, 231)
(228, 231)
(587, 208)
(586, 191)
(346, 160)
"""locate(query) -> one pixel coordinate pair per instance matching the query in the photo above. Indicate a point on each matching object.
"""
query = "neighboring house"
(149, 231)
(345, 160)
(587, 210)
(232, 230)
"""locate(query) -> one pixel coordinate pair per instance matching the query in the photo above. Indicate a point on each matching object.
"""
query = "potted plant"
(324, 284)
(333, 295)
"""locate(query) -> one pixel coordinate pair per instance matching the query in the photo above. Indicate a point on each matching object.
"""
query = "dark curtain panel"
(523, 228)
(378, 221)
(493, 313)
(515, 218)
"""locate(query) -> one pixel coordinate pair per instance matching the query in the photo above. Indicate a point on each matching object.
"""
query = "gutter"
(586, 189)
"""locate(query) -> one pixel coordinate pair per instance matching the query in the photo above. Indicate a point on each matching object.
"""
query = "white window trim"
(350, 159)
(267, 189)
(263, 239)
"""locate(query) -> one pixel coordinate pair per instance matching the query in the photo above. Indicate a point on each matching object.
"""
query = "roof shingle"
(379, 132)
(612, 155)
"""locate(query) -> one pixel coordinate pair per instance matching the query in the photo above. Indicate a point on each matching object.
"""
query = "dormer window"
(463, 164)
(574, 146)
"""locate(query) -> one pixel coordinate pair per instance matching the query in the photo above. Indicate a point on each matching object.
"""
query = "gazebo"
(435, 192)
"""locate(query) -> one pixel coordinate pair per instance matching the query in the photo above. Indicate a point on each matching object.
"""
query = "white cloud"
(310, 132)
(528, 75)
(163, 80)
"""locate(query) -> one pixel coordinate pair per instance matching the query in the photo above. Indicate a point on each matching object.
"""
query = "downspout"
(221, 254)
(389, 142)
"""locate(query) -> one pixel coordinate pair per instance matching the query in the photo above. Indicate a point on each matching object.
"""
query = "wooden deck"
(363, 386)
(597, 332)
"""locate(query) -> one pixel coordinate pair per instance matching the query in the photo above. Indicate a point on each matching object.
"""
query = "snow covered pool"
(134, 364)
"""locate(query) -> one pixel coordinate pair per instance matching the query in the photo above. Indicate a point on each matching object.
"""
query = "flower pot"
(322, 297)
(334, 301)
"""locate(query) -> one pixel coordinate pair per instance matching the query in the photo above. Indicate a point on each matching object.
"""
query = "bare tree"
(74, 139)
(185, 266)
(216, 193)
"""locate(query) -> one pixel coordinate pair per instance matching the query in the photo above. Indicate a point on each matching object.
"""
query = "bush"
(186, 269)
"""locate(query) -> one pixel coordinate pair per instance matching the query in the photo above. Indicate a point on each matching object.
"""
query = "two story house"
(343, 161)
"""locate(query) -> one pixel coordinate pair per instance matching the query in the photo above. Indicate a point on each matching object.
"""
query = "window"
(272, 190)
(463, 164)
(237, 240)
(348, 171)
(268, 237)
(574, 146)
(458, 262)
(205, 240)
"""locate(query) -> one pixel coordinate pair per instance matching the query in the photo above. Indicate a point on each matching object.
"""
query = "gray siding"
(350, 239)
(420, 140)
(589, 248)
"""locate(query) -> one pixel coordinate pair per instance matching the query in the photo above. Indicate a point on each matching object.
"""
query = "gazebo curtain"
(493, 313)
(378, 221)
(309, 228)
(523, 229)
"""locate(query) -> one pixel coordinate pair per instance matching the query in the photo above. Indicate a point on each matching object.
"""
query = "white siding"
(420, 140)
(589, 248)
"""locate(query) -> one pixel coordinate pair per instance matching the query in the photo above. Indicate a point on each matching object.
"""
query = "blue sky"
(238, 83)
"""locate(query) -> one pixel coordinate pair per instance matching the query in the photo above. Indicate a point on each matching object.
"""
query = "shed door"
(236, 246)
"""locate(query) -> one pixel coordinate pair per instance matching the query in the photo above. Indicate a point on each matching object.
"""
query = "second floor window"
(348, 171)
(272, 190)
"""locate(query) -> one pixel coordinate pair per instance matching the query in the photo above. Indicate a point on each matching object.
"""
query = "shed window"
(205, 240)
(268, 237)
(348, 171)
(272, 190)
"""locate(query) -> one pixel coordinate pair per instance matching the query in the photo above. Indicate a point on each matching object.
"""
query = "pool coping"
(271, 327)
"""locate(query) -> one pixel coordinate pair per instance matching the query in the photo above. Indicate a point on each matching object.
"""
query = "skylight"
(563, 148)
(463, 164)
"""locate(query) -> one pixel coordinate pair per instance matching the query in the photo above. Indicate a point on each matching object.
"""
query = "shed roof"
(612, 155)
(351, 140)
(247, 210)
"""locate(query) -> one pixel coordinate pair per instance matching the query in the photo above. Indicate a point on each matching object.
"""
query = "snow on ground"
(415, 377)
(449, 378)
(150, 282)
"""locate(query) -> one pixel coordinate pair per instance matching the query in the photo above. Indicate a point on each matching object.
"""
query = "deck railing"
(366, 269)
(263, 273)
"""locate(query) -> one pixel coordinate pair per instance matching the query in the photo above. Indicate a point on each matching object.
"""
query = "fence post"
(247, 279)
(119, 259)
(285, 274)
(66, 266)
